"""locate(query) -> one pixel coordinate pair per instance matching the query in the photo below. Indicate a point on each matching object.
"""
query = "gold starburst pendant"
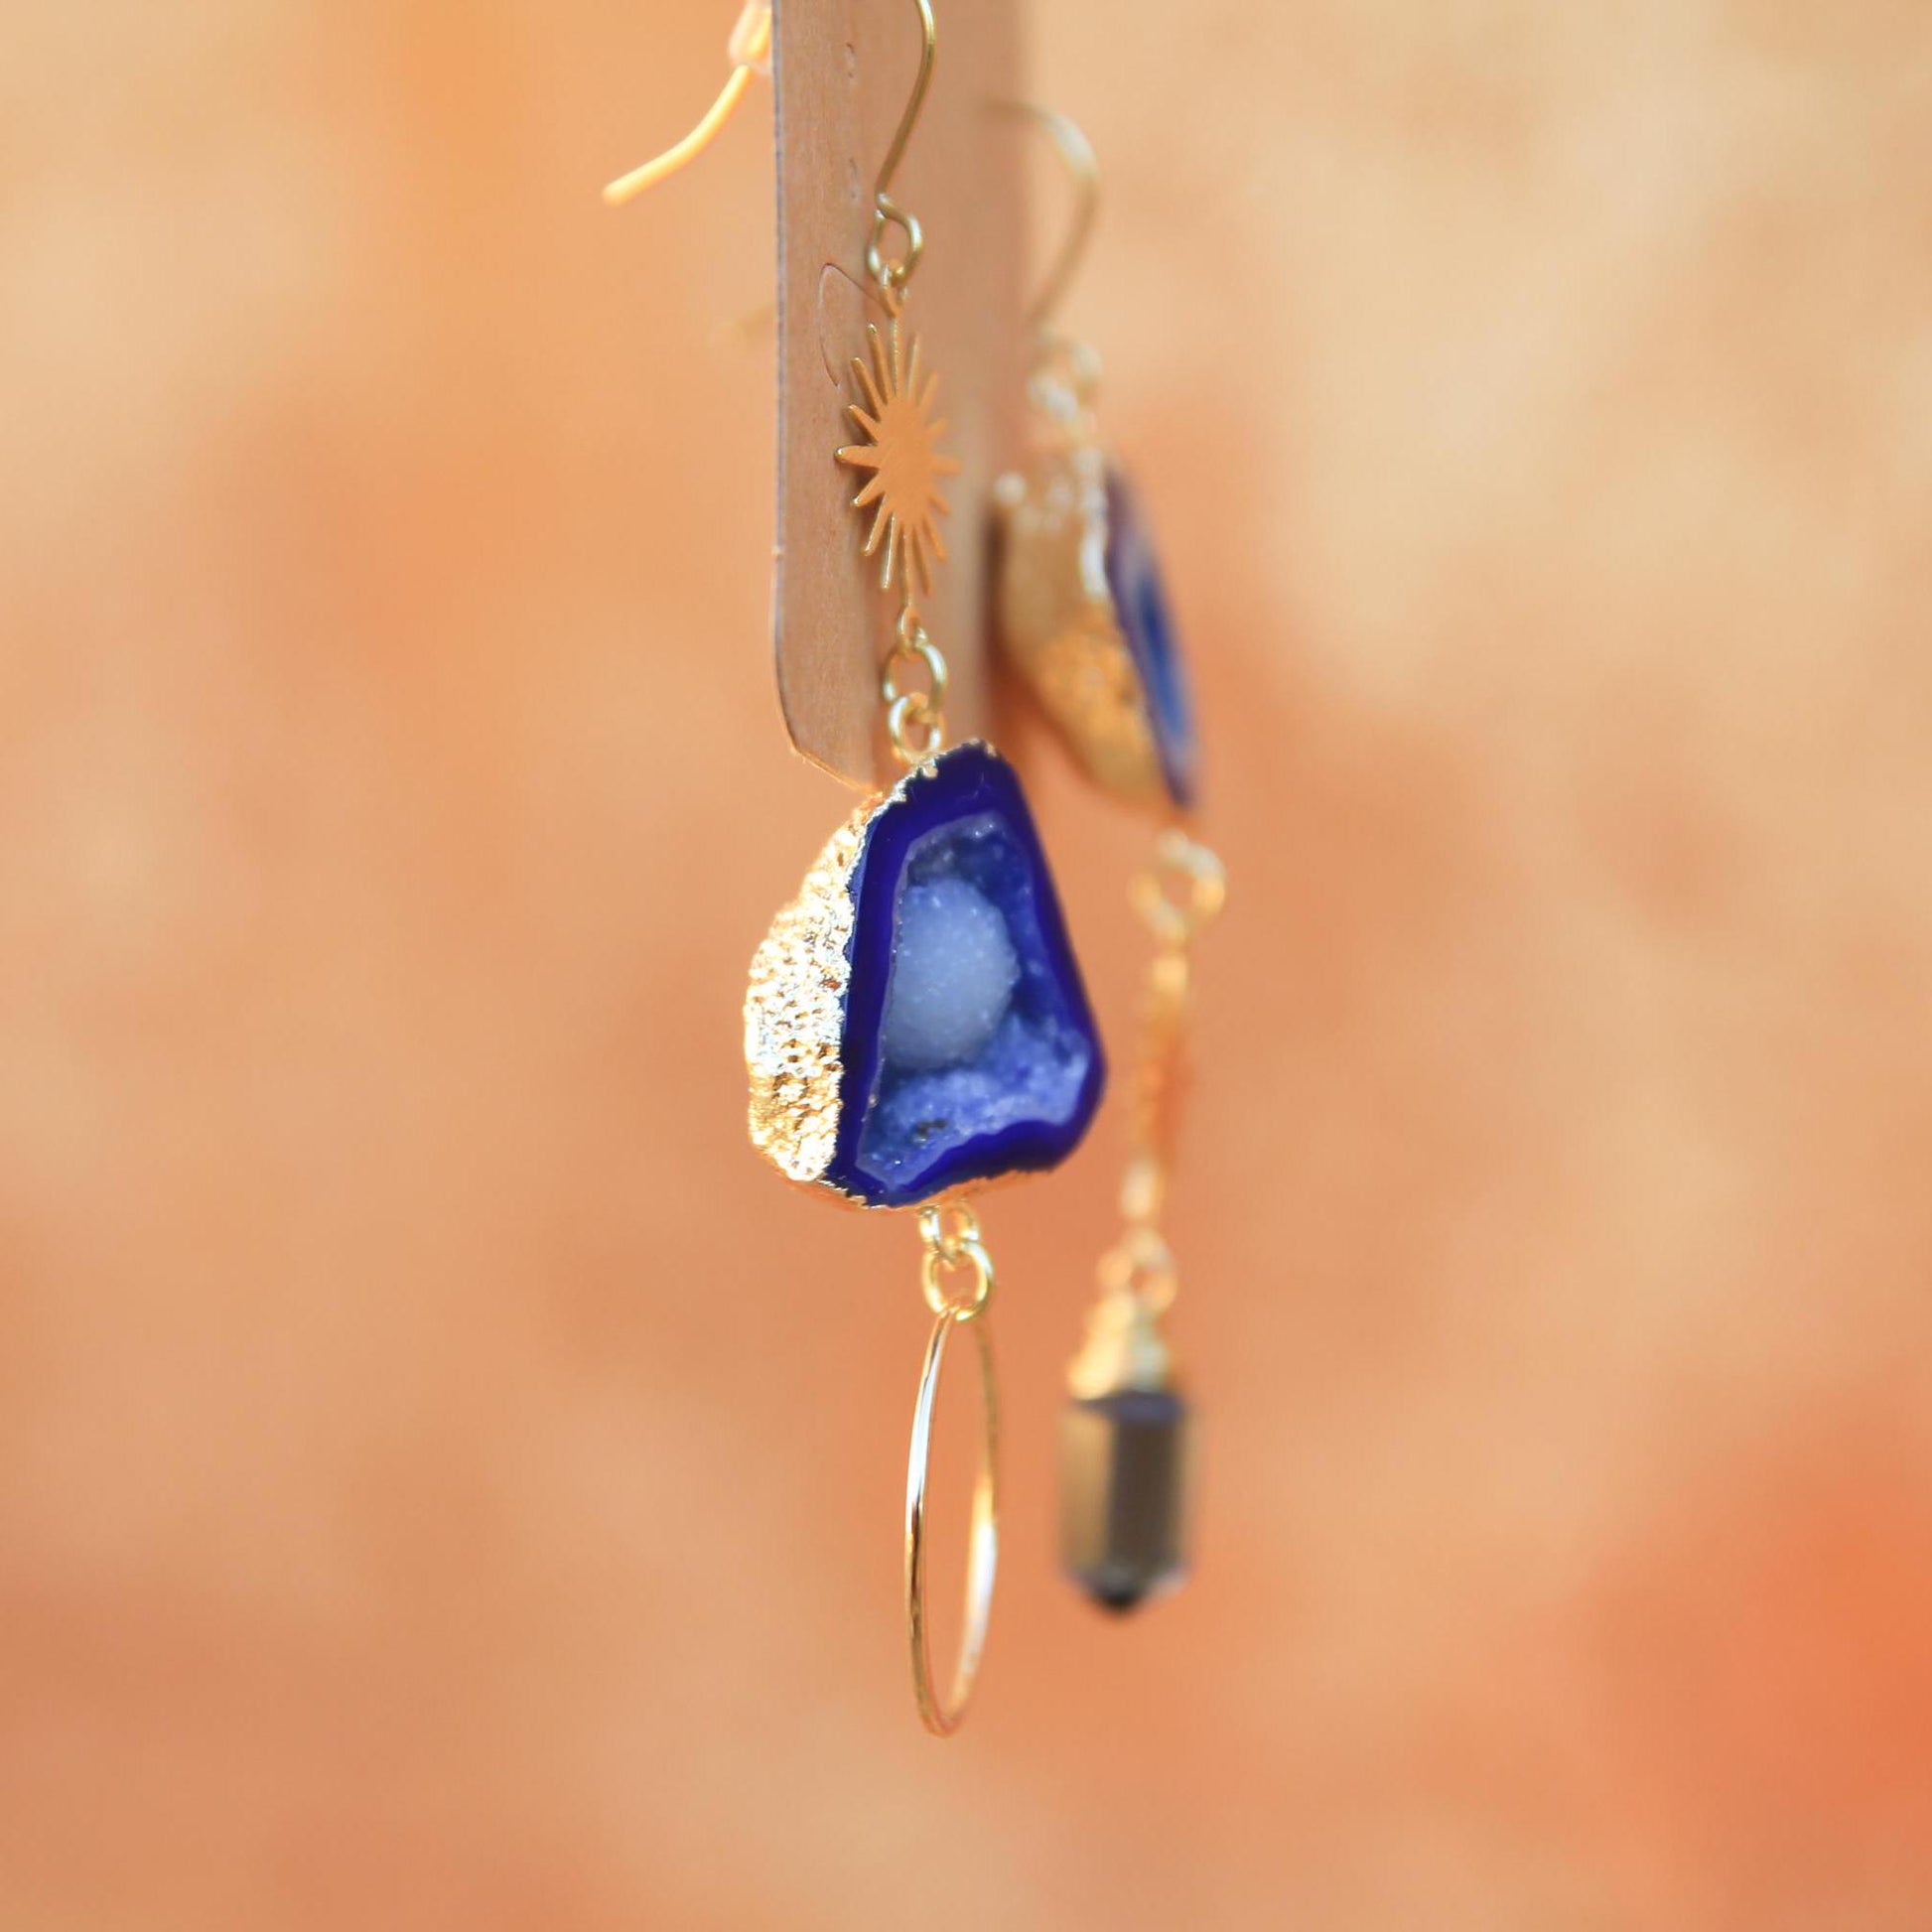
(902, 454)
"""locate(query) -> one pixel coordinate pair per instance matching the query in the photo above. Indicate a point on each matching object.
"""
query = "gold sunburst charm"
(902, 454)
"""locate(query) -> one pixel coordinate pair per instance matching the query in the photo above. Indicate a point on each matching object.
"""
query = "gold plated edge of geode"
(1058, 623)
(795, 1006)
(794, 1013)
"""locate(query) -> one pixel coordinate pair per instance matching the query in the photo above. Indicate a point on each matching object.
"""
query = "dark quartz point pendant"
(1124, 1482)
(968, 1048)
(1141, 609)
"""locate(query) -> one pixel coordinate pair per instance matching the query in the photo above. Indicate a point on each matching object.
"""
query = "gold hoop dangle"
(948, 1251)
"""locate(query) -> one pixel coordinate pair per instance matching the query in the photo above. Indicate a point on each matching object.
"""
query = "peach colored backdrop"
(444, 1482)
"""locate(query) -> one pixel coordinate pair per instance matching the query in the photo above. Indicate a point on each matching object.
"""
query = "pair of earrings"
(916, 1027)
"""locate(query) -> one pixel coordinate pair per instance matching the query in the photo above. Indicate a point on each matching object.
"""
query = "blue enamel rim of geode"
(964, 781)
(1147, 623)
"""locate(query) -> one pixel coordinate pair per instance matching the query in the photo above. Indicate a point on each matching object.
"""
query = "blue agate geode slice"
(1085, 619)
(916, 1022)
(1146, 624)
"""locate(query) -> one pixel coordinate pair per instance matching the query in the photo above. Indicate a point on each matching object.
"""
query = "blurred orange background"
(444, 1479)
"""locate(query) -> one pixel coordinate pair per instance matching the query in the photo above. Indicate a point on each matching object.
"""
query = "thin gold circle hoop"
(941, 1718)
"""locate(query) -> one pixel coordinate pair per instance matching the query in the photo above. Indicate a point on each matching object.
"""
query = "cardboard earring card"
(842, 73)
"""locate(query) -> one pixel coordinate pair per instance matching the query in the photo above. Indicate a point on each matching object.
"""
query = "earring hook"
(1073, 148)
(750, 51)
(893, 275)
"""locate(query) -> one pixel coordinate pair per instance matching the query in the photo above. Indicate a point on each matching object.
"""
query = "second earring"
(1084, 621)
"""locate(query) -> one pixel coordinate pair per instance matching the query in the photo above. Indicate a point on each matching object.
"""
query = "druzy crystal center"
(953, 975)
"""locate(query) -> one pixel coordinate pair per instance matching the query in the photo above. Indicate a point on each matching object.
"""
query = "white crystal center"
(953, 974)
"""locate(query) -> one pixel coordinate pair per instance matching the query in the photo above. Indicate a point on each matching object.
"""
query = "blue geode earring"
(1083, 620)
(917, 1024)
(916, 1027)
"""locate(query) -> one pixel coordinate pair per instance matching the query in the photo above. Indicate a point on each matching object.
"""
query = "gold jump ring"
(915, 729)
(1182, 890)
(964, 1252)
(941, 1718)
(945, 1226)
(920, 649)
(892, 273)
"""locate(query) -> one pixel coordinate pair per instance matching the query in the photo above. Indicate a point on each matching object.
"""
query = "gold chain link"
(1178, 895)
(951, 1233)
(915, 720)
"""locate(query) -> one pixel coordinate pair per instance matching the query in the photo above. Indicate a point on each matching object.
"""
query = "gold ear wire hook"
(891, 276)
(750, 50)
(1076, 151)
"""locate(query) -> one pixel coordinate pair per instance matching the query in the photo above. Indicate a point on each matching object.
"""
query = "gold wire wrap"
(951, 1234)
